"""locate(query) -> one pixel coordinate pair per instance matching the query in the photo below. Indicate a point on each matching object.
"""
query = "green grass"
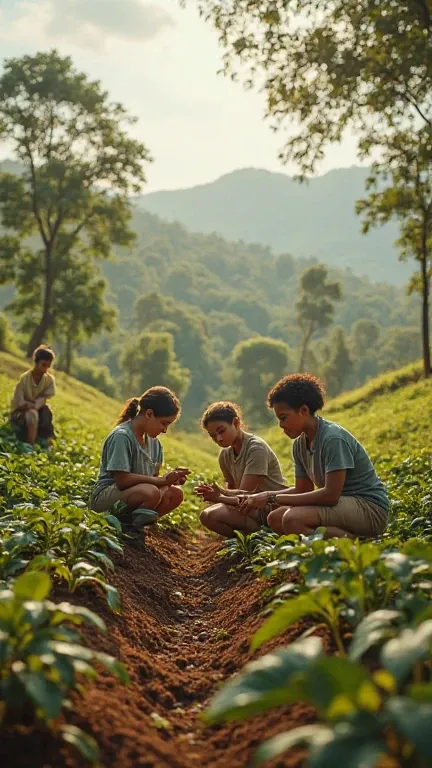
(390, 416)
(83, 418)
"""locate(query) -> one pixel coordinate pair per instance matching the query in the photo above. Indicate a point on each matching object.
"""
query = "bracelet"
(272, 499)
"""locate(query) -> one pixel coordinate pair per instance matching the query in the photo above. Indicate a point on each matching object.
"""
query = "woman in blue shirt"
(131, 460)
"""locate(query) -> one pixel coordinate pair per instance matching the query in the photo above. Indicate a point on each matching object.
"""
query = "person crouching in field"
(247, 463)
(30, 415)
(132, 456)
(349, 499)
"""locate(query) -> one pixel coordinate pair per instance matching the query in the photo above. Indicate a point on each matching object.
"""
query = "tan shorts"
(105, 499)
(356, 515)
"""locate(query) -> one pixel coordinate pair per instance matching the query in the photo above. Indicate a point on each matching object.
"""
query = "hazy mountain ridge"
(313, 219)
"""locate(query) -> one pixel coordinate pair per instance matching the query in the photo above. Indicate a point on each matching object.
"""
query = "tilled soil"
(186, 623)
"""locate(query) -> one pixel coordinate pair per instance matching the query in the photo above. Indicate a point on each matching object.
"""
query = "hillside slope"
(313, 219)
(390, 415)
(80, 407)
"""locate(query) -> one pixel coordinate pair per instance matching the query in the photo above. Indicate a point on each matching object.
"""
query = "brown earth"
(186, 622)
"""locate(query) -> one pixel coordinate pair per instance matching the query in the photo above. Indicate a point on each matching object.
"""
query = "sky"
(161, 62)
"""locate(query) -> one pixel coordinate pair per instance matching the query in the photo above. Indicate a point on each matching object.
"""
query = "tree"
(364, 336)
(78, 168)
(400, 346)
(226, 331)
(315, 305)
(330, 65)
(256, 364)
(90, 372)
(79, 309)
(188, 327)
(406, 162)
(149, 360)
(339, 365)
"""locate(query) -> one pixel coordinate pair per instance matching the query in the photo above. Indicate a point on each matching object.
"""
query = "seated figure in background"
(31, 416)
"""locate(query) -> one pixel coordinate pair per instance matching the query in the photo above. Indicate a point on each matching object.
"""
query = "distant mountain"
(315, 219)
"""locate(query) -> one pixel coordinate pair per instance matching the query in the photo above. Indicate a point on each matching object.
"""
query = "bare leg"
(143, 495)
(304, 520)
(224, 520)
(32, 423)
(274, 520)
(300, 520)
(171, 498)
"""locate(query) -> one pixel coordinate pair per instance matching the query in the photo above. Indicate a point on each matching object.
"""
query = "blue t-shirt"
(333, 449)
(122, 452)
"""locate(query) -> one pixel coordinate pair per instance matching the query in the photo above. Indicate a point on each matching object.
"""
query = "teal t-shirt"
(333, 449)
(122, 452)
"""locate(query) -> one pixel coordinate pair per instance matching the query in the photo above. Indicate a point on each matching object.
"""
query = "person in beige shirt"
(30, 414)
(248, 465)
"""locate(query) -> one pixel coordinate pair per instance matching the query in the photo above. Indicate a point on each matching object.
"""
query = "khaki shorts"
(105, 499)
(356, 515)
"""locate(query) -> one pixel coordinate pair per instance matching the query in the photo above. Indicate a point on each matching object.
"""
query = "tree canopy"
(79, 166)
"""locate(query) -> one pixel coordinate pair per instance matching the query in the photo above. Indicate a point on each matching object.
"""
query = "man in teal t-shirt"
(336, 485)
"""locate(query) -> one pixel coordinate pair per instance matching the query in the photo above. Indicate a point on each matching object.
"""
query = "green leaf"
(332, 678)
(71, 649)
(44, 694)
(400, 654)
(348, 751)
(285, 616)
(309, 735)
(114, 522)
(371, 631)
(85, 744)
(414, 721)
(32, 585)
(421, 692)
(114, 665)
(265, 683)
(113, 598)
(84, 613)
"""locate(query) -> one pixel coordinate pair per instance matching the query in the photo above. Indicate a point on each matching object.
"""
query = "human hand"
(253, 501)
(183, 474)
(209, 492)
(172, 478)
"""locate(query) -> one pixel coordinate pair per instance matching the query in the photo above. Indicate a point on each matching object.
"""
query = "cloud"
(92, 22)
(129, 19)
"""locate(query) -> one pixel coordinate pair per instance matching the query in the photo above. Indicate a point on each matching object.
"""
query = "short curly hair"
(296, 390)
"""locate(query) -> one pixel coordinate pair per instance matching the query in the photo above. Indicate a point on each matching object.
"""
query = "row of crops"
(372, 689)
(49, 540)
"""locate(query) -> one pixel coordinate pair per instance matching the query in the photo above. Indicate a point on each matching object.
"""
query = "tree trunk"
(68, 353)
(45, 323)
(425, 310)
(304, 348)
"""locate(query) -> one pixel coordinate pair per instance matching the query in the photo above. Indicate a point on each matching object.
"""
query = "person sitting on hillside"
(31, 416)
(248, 464)
(336, 485)
(129, 482)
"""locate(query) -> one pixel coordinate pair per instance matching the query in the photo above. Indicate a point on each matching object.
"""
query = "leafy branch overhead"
(329, 65)
(71, 202)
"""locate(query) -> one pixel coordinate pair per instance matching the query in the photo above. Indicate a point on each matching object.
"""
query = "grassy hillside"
(82, 411)
(390, 415)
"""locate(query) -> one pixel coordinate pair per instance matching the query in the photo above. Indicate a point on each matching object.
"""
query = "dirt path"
(186, 624)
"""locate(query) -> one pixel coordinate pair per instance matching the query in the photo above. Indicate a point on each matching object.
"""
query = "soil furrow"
(186, 622)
